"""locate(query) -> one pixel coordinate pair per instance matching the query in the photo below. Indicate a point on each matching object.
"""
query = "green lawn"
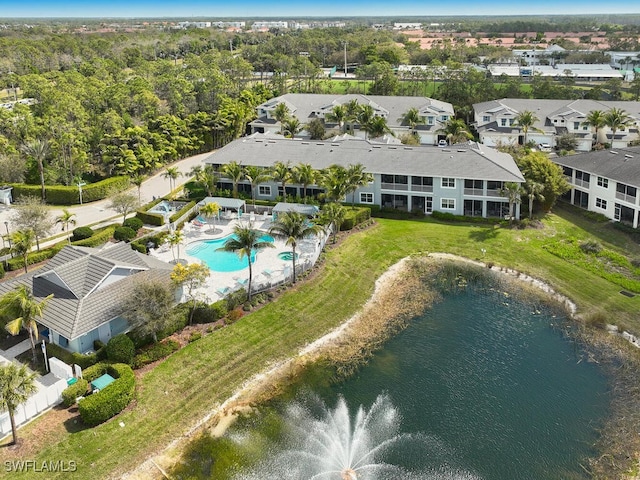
(196, 379)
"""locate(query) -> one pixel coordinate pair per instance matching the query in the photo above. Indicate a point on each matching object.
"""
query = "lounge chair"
(223, 291)
(267, 272)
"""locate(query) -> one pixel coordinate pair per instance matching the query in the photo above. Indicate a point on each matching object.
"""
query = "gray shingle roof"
(622, 166)
(76, 276)
(477, 161)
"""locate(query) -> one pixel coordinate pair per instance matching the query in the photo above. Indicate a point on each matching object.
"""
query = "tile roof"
(86, 295)
(621, 165)
(471, 161)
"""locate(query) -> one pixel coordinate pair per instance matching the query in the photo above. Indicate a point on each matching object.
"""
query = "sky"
(288, 8)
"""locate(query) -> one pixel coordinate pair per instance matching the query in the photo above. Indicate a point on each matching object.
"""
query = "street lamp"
(6, 225)
(80, 185)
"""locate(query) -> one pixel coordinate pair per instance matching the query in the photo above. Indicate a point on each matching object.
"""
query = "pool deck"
(268, 269)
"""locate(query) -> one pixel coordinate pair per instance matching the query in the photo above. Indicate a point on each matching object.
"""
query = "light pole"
(80, 185)
(345, 59)
(6, 225)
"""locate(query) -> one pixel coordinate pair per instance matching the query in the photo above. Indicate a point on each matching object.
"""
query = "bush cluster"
(74, 391)
(84, 361)
(133, 223)
(124, 234)
(98, 238)
(100, 407)
(155, 352)
(17, 263)
(120, 349)
(204, 313)
(81, 233)
(355, 217)
(182, 211)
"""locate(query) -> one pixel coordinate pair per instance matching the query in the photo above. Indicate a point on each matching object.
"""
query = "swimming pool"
(219, 261)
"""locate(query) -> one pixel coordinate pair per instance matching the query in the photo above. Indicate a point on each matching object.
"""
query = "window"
(503, 122)
(448, 182)
(445, 118)
(264, 190)
(512, 121)
(600, 203)
(366, 197)
(616, 211)
(63, 341)
(447, 204)
(429, 120)
(576, 125)
(603, 182)
(428, 205)
(486, 118)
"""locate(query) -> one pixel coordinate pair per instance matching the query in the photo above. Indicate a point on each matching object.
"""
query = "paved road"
(96, 212)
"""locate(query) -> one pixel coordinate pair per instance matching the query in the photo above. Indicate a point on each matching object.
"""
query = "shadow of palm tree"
(74, 424)
(482, 234)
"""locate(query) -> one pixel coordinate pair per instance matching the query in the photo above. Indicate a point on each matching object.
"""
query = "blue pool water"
(219, 261)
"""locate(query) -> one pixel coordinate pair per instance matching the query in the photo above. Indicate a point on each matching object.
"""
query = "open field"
(185, 387)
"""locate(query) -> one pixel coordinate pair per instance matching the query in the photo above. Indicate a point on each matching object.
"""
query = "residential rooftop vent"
(305, 143)
(461, 150)
(376, 146)
(613, 152)
(408, 148)
(628, 156)
(320, 144)
(335, 144)
(272, 141)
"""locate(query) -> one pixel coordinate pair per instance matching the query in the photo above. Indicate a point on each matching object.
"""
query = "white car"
(545, 147)
(442, 143)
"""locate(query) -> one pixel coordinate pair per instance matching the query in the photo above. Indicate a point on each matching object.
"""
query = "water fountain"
(328, 444)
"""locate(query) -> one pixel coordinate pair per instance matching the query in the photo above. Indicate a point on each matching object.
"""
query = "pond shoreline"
(334, 345)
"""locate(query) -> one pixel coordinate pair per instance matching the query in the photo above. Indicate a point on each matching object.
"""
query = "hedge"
(355, 217)
(82, 233)
(124, 234)
(70, 195)
(155, 352)
(182, 211)
(204, 313)
(99, 238)
(111, 400)
(150, 218)
(17, 263)
(74, 391)
(133, 223)
(84, 361)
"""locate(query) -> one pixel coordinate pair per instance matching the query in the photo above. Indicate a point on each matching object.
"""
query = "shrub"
(182, 211)
(81, 233)
(120, 349)
(233, 316)
(210, 313)
(100, 407)
(17, 263)
(155, 352)
(74, 391)
(1, 271)
(195, 336)
(124, 234)
(69, 195)
(133, 223)
(590, 246)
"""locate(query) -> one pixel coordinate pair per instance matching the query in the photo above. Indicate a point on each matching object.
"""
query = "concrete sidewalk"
(97, 212)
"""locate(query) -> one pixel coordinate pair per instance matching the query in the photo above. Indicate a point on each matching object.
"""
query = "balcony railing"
(478, 192)
(394, 186)
(581, 183)
(626, 198)
(494, 193)
(421, 188)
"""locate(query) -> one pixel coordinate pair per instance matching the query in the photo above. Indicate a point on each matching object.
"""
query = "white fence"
(49, 394)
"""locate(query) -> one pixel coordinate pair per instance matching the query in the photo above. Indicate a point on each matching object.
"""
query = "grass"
(192, 382)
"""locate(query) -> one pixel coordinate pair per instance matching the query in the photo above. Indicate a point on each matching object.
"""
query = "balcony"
(477, 192)
(421, 188)
(626, 198)
(581, 183)
(494, 193)
(394, 186)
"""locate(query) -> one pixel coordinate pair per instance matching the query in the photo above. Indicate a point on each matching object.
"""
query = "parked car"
(442, 143)
(544, 147)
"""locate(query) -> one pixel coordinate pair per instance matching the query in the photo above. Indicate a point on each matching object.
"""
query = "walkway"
(97, 212)
(16, 350)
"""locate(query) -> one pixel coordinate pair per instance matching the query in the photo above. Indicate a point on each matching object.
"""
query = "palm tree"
(304, 174)
(455, 130)
(172, 173)
(294, 227)
(21, 244)
(364, 117)
(616, 119)
(338, 115)
(137, 179)
(526, 120)
(352, 109)
(533, 190)
(335, 182)
(16, 385)
(175, 239)
(234, 172)
(281, 173)
(412, 118)
(357, 177)
(512, 191)
(244, 242)
(376, 127)
(281, 112)
(333, 214)
(66, 219)
(38, 150)
(256, 176)
(205, 177)
(595, 119)
(210, 211)
(24, 309)
(291, 126)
